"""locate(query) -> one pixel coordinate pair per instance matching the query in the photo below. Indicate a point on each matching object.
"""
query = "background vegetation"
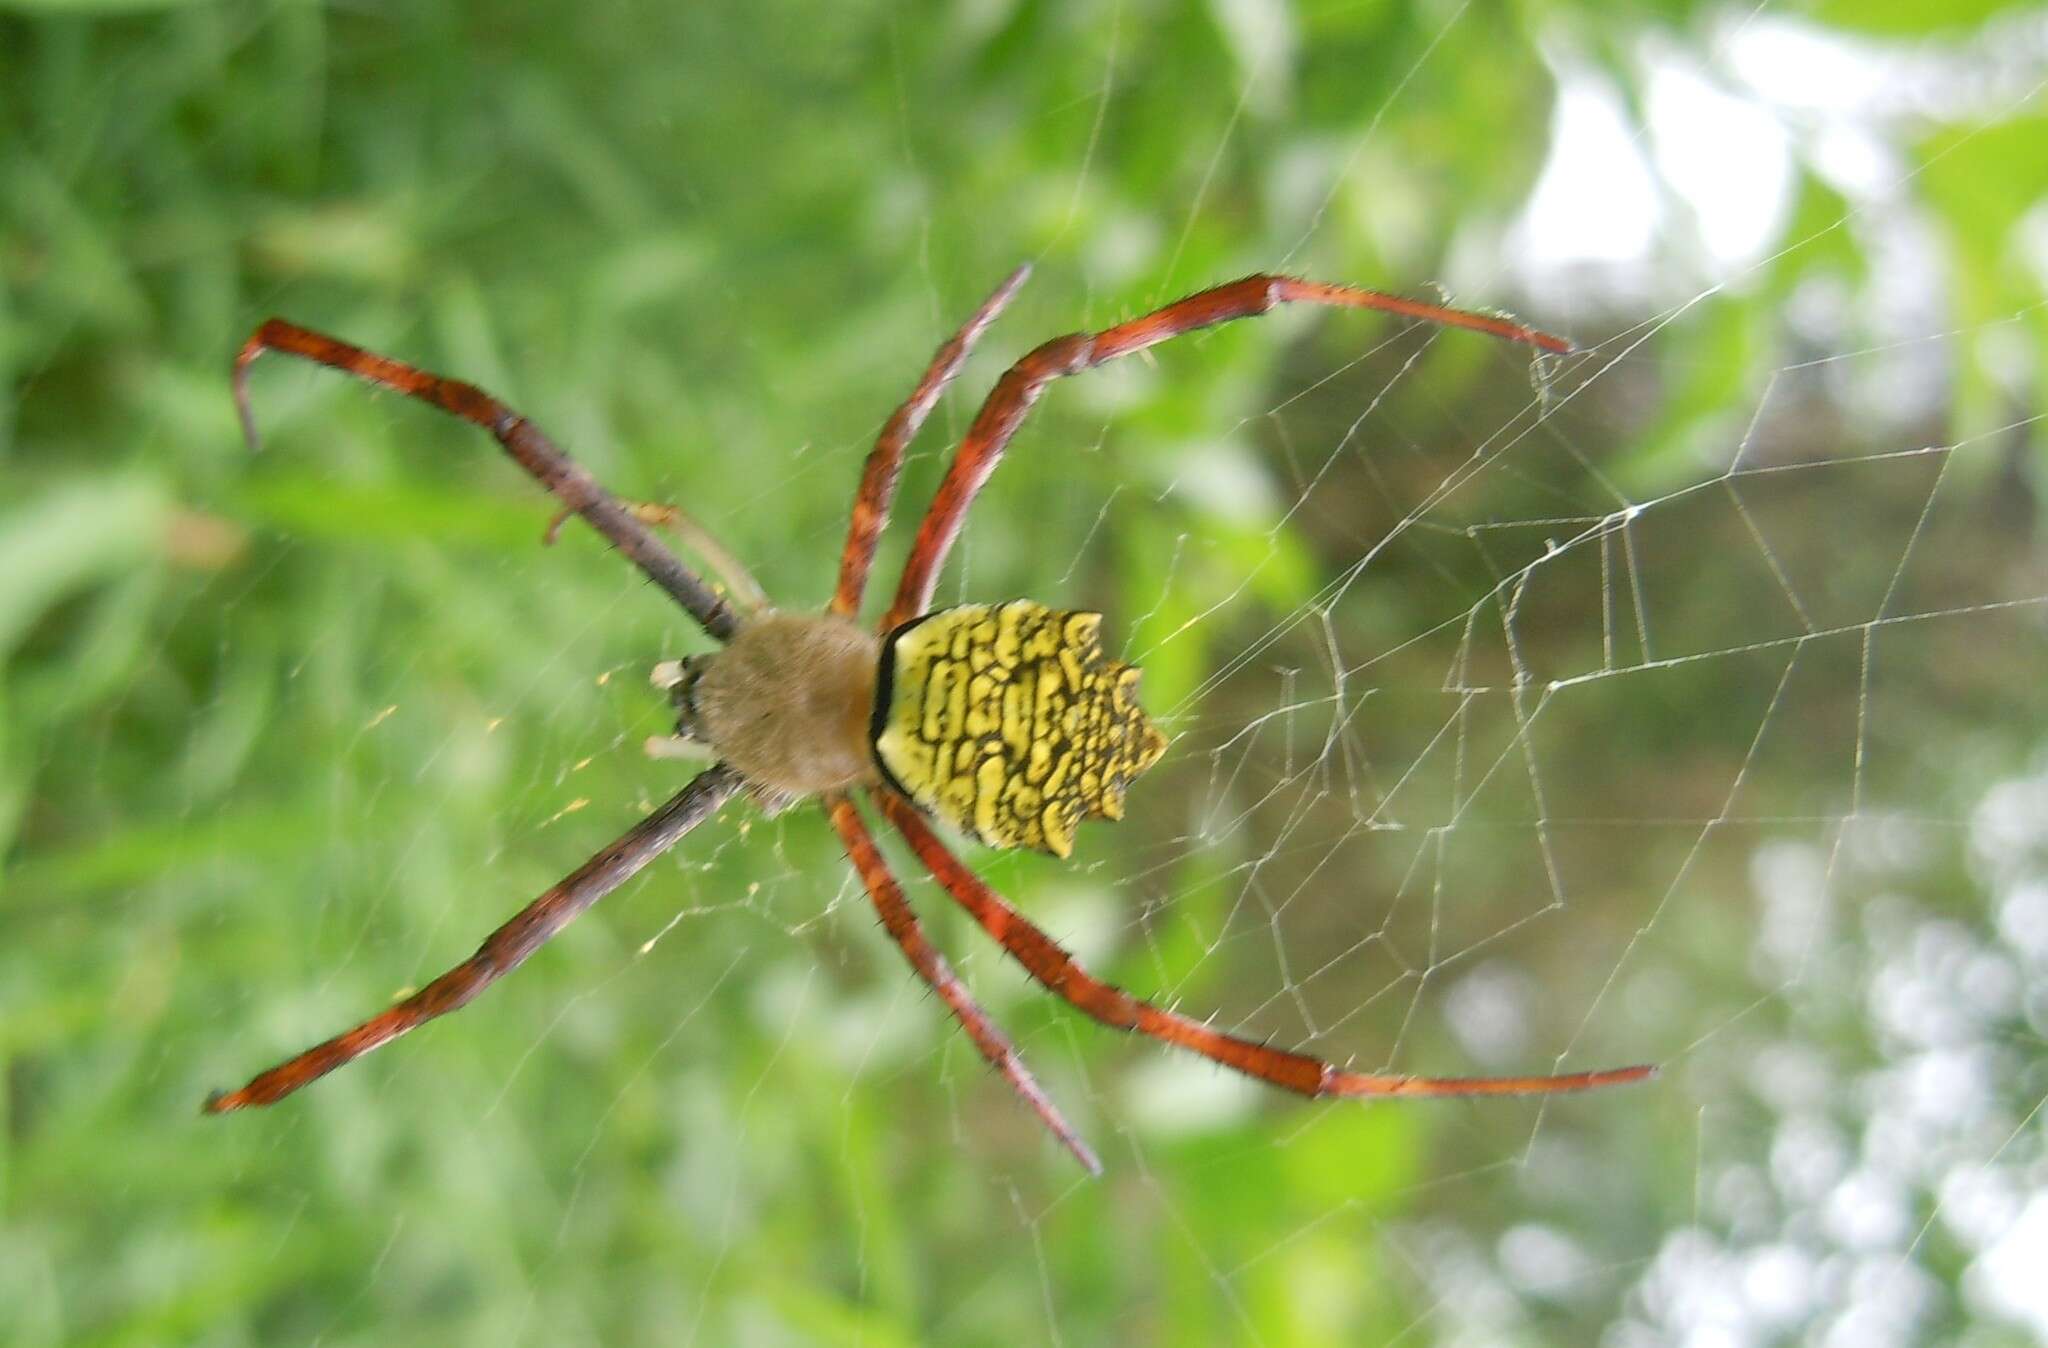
(286, 734)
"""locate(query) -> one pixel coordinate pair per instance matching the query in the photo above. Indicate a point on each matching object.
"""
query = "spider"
(1003, 722)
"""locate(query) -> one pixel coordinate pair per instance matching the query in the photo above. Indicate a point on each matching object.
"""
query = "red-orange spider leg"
(569, 481)
(1045, 961)
(885, 462)
(931, 966)
(506, 948)
(1019, 388)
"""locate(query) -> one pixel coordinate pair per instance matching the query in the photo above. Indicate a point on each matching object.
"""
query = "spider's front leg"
(739, 582)
(570, 482)
(504, 949)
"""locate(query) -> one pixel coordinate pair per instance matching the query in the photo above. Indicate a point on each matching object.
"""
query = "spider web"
(1486, 738)
(1501, 744)
(1502, 812)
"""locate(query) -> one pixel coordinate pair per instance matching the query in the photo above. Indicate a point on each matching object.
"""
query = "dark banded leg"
(505, 949)
(931, 966)
(569, 481)
(1017, 390)
(1045, 961)
(885, 462)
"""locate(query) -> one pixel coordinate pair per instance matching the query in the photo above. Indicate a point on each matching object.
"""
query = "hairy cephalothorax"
(789, 735)
(1005, 722)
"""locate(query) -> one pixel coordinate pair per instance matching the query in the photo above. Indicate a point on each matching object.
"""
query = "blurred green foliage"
(285, 734)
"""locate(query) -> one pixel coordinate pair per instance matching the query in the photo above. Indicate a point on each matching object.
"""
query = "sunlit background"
(1679, 700)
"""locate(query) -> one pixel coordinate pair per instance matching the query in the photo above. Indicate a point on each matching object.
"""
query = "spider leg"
(931, 966)
(739, 581)
(570, 482)
(1045, 961)
(1011, 399)
(506, 948)
(878, 479)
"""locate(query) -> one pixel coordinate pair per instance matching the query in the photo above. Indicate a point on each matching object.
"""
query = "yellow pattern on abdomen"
(1005, 721)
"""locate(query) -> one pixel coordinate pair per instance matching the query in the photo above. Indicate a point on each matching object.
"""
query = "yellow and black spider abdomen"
(1005, 721)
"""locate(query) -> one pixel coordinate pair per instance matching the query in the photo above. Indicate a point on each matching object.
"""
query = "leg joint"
(1061, 356)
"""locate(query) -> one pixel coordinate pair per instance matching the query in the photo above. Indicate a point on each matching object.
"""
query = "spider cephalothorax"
(789, 737)
(1005, 722)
